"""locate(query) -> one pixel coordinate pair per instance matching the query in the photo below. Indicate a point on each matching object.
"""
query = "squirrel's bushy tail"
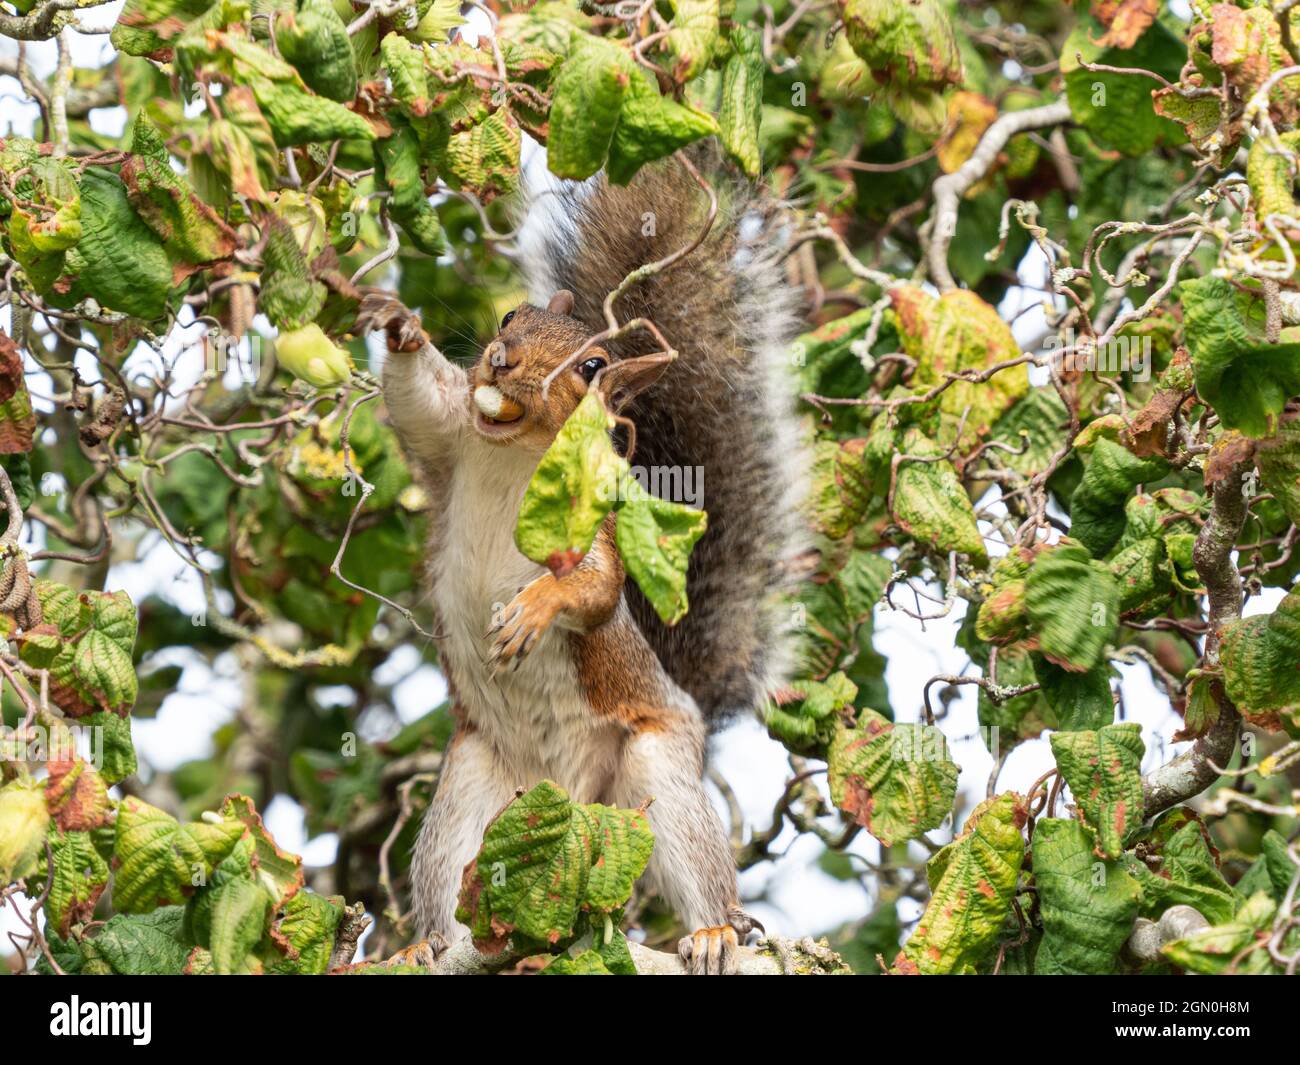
(723, 410)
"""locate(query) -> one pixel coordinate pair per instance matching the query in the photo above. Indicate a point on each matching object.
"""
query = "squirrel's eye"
(506, 320)
(591, 367)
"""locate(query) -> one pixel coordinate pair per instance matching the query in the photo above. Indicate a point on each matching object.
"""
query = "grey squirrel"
(576, 679)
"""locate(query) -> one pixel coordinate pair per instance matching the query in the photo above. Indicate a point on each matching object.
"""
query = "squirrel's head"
(531, 344)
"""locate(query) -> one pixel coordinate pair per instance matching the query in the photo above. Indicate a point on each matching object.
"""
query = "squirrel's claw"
(421, 955)
(383, 310)
(522, 623)
(743, 922)
(710, 951)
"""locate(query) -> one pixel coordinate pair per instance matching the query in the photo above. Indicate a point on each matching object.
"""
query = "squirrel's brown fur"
(722, 406)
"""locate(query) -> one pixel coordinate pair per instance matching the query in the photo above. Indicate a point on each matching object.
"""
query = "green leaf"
(304, 932)
(1145, 577)
(315, 40)
(588, 963)
(144, 945)
(1260, 656)
(807, 714)
(587, 98)
(293, 113)
(91, 668)
(1073, 605)
(1245, 379)
(1104, 771)
(1278, 458)
(972, 881)
(407, 73)
(1079, 701)
(1213, 951)
(742, 100)
(655, 538)
(572, 490)
(651, 126)
(119, 261)
(239, 914)
(288, 296)
(1097, 514)
(1117, 109)
(80, 876)
(1034, 428)
(1179, 867)
(437, 22)
(119, 751)
(1088, 906)
(930, 503)
(896, 781)
(160, 861)
(546, 860)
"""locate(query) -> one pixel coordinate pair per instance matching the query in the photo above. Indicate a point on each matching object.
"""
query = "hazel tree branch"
(1195, 770)
(949, 189)
(45, 21)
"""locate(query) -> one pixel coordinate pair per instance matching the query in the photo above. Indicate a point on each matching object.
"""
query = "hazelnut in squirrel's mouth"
(496, 408)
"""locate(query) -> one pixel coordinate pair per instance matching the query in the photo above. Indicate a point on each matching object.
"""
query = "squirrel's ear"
(561, 302)
(619, 382)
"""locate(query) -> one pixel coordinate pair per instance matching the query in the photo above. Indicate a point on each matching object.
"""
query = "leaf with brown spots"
(896, 781)
(545, 861)
(972, 881)
(1104, 771)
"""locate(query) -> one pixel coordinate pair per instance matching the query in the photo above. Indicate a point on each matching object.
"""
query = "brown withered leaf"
(17, 419)
(1125, 20)
(1149, 427)
(1226, 453)
(76, 795)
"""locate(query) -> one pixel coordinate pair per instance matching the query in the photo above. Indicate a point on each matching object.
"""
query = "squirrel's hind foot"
(710, 951)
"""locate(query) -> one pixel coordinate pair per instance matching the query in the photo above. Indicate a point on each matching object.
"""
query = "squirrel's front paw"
(710, 951)
(522, 622)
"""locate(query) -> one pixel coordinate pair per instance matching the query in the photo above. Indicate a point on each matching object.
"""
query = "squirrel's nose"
(497, 356)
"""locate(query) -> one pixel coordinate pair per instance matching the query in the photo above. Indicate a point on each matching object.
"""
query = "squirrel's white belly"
(534, 715)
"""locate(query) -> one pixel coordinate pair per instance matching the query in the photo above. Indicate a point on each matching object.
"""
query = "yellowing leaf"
(572, 490)
(930, 503)
(895, 780)
(960, 333)
(910, 43)
(160, 861)
(969, 115)
(972, 881)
